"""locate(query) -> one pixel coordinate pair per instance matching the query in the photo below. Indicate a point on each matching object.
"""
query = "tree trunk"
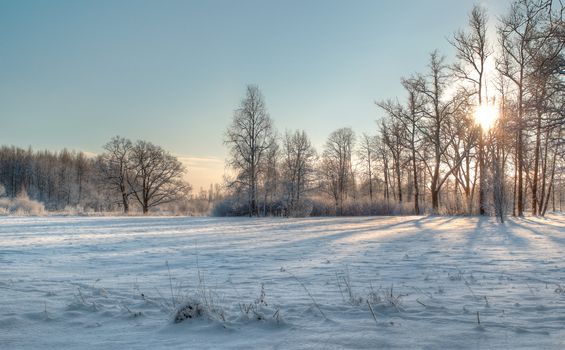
(482, 195)
(520, 145)
(398, 180)
(543, 175)
(536, 166)
(551, 180)
(416, 187)
(435, 201)
(125, 202)
(514, 193)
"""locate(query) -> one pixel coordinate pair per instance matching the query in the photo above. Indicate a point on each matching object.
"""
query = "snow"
(91, 283)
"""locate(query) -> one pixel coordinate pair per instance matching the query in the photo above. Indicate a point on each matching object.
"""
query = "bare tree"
(462, 135)
(155, 176)
(393, 135)
(438, 111)
(270, 179)
(382, 153)
(298, 168)
(409, 118)
(472, 52)
(249, 138)
(367, 154)
(546, 89)
(337, 166)
(524, 34)
(113, 166)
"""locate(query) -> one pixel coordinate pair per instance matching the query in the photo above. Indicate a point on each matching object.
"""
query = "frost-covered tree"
(531, 44)
(249, 137)
(155, 176)
(472, 50)
(406, 122)
(367, 154)
(337, 167)
(113, 166)
(298, 161)
(439, 116)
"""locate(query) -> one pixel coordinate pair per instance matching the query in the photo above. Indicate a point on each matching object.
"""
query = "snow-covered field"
(105, 283)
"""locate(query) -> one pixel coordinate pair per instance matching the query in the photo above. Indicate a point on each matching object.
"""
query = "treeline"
(59, 180)
(465, 139)
(126, 177)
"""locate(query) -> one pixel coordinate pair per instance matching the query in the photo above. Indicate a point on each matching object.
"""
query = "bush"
(230, 206)
(22, 205)
(312, 207)
(360, 207)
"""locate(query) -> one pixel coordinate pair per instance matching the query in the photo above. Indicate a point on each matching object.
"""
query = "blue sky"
(75, 73)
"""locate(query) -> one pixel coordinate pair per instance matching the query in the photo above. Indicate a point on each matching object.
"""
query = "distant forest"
(482, 134)
(139, 176)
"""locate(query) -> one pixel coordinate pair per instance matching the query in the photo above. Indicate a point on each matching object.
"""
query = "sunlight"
(486, 115)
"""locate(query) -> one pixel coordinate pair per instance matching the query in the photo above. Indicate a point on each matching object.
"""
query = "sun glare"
(485, 116)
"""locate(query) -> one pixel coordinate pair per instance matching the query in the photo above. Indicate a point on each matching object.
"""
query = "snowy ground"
(116, 283)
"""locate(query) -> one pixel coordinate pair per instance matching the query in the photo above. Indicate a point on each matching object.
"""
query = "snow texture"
(315, 283)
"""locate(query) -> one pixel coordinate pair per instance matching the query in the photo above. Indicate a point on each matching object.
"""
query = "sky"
(75, 73)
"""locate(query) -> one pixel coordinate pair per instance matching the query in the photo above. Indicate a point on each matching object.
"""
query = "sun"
(485, 116)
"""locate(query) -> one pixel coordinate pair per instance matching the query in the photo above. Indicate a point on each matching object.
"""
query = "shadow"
(541, 231)
(339, 233)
